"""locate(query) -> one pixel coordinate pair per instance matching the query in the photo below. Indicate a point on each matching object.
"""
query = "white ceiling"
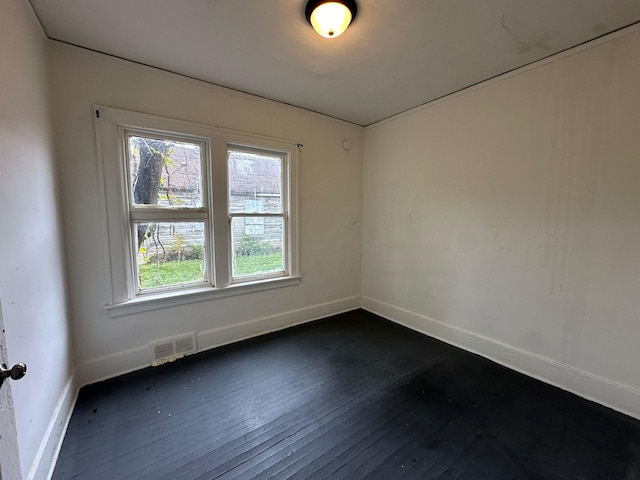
(396, 55)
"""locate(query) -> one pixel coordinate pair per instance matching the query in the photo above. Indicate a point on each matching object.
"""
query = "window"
(256, 212)
(193, 210)
(168, 210)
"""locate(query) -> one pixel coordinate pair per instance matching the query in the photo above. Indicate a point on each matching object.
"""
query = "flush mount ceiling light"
(330, 18)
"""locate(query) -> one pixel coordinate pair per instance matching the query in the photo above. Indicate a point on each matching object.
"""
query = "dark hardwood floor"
(350, 397)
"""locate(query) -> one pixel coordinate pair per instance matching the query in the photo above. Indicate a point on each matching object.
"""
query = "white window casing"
(113, 126)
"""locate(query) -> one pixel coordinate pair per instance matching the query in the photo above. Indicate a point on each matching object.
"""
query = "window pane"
(165, 172)
(255, 183)
(257, 245)
(170, 253)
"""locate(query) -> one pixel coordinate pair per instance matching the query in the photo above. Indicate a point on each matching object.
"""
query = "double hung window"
(256, 212)
(168, 210)
(193, 210)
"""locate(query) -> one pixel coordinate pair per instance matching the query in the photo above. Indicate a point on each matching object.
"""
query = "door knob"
(16, 372)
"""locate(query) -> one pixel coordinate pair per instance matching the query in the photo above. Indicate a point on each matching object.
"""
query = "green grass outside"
(187, 271)
(257, 264)
(170, 273)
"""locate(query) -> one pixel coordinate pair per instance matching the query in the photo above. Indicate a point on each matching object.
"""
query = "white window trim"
(286, 183)
(155, 213)
(110, 124)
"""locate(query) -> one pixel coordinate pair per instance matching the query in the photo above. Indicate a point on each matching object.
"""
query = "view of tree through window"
(166, 175)
(193, 209)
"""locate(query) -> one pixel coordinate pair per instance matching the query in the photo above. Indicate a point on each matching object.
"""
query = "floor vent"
(171, 349)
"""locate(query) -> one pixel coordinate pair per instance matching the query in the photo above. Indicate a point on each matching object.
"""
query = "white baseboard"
(218, 337)
(592, 387)
(109, 366)
(47, 455)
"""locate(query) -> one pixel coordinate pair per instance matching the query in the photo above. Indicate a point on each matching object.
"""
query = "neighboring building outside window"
(167, 209)
(193, 210)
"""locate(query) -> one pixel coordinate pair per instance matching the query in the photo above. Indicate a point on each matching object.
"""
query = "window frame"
(154, 213)
(284, 200)
(112, 126)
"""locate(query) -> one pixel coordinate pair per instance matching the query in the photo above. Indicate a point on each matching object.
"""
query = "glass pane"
(165, 172)
(257, 245)
(255, 183)
(170, 254)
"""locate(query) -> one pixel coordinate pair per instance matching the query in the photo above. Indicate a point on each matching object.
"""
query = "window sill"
(171, 299)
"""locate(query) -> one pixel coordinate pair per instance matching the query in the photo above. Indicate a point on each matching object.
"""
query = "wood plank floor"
(351, 397)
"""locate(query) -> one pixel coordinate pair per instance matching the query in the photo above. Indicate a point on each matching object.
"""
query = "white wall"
(330, 209)
(32, 281)
(505, 219)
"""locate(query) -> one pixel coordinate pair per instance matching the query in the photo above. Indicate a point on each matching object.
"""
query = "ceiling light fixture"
(330, 18)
